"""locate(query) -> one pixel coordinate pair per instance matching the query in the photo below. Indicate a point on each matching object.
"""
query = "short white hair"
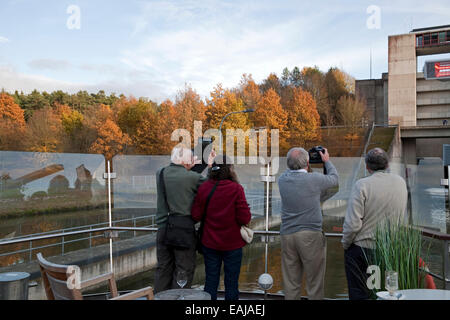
(297, 158)
(181, 155)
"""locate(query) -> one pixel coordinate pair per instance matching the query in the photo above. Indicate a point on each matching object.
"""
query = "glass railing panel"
(46, 193)
(134, 191)
(249, 176)
(427, 195)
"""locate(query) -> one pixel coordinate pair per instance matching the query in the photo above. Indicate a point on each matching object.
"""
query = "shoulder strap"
(202, 224)
(207, 200)
(163, 189)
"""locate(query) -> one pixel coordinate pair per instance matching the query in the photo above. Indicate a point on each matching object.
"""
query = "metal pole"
(31, 249)
(267, 197)
(446, 265)
(110, 216)
(267, 226)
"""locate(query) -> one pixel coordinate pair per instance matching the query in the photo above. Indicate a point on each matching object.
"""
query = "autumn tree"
(77, 134)
(303, 118)
(12, 123)
(313, 81)
(270, 114)
(224, 101)
(351, 112)
(154, 135)
(131, 112)
(273, 82)
(44, 131)
(189, 108)
(249, 91)
(168, 121)
(110, 138)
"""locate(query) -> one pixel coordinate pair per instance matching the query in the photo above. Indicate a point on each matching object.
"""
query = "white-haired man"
(176, 196)
(303, 243)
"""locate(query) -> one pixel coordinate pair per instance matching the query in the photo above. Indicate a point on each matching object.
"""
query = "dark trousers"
(232, 267)
(170, 260)
(356, 262)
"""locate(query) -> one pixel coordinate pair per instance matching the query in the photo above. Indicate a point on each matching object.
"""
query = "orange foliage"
(110, 138)
(304, 120)
(12, 123)
(270, 114)
(44, 131)
(189, 108)
(223, 102)
(250, 94)
(9, 110)
(154, 136)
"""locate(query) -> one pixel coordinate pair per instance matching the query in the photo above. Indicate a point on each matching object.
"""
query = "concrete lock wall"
(402, 80)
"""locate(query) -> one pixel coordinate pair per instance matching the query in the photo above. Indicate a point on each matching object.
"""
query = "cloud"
(3, 39)
(214, 44)
(11, 80)
(49, 64)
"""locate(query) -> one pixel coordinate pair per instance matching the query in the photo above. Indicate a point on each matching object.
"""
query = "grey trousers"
(303, 253)
(170, 260)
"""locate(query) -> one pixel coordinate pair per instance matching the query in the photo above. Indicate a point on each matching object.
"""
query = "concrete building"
(406, 97)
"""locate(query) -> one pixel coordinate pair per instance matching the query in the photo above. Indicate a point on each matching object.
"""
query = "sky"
(154, 48)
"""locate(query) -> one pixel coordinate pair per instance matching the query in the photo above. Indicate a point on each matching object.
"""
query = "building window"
(434, 38)
(426, 39)
(419, 41)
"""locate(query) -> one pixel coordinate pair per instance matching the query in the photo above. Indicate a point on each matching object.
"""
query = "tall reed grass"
(398, 248)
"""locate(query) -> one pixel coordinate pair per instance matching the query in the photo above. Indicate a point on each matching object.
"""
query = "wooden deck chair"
(55, 276)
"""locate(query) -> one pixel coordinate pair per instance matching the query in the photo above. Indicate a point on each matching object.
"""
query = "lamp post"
(223, 119)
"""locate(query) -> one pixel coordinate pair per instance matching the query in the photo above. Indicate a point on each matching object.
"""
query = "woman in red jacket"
(221, 241)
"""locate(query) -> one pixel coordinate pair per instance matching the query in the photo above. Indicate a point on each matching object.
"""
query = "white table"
(425, 294)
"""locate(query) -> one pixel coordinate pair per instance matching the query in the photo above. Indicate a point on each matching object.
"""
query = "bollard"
(14, 285)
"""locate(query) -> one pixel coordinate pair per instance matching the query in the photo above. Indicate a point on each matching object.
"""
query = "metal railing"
(64, 233)
(265, 234)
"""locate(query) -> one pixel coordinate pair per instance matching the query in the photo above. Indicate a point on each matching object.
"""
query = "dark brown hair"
(223, 169)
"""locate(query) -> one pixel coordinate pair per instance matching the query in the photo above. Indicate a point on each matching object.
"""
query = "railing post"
(62, 244)
(446, 265)
(90, 237)
(31, 250)
(134, 225)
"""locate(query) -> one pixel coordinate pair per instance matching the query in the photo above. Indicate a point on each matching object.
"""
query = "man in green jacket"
(181, 184)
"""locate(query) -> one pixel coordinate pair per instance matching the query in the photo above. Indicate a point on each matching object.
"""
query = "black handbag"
(202, 223)
(180, 229)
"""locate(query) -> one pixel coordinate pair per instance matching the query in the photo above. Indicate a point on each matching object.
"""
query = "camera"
(203, 143)
(314, 155)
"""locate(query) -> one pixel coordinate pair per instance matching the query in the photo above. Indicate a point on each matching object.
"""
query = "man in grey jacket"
(181, 184)
(379, 197)
(303, 243)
